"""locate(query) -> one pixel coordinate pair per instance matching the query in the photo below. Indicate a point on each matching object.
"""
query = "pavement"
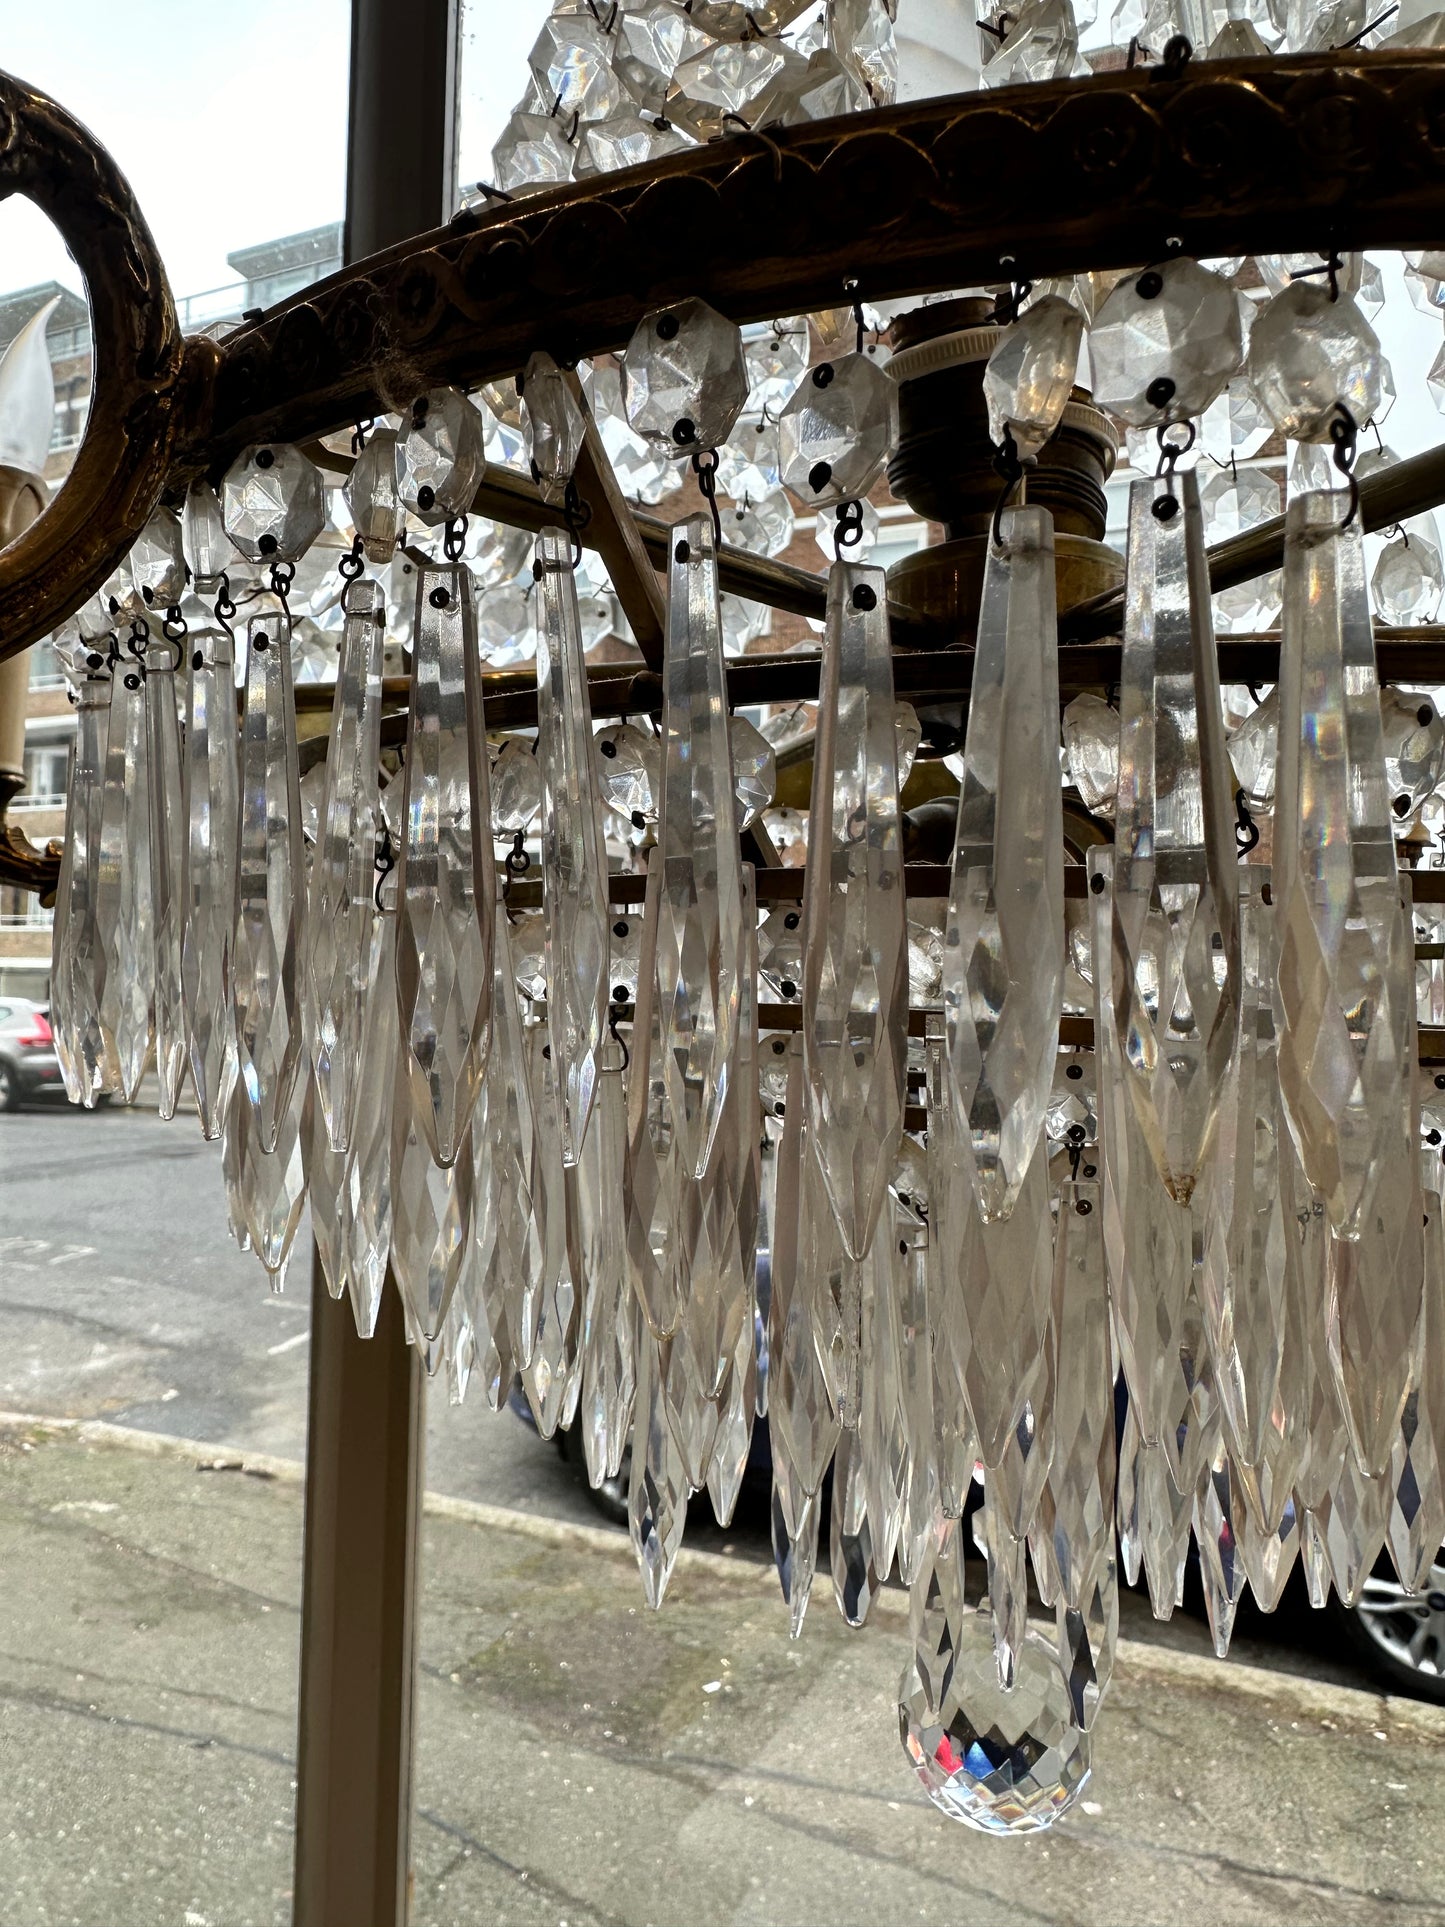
(580, 1760)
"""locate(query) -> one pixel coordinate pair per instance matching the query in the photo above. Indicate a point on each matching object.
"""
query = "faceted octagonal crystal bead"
(1165, 343)
(755, 770)
(777, 361)
(1030, 373)
(440, 460)
(1309, 356)
(652, 36)
(629, 766)
(838, 430)
(553, 425)
(533, 152)
(1041, 43)
(157, 564)
(1414, 747)
(1406, 584)
(765, 527)
(684, 378)
(273, 502)
(571, 62)
(516, 788)
(1235, 499)
(1253, 752)
(372, 499)
(1091, 740)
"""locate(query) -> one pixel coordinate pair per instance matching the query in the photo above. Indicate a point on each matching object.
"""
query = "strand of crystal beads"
(1076, 1506)
(855, 970)
(446, 889)
(366, 1213)
(1417, 1461)
(1173, 958)
(1242, 1280)
(1346, 976)
(574, 847)
(802, 1425)
(341, 894)
(270, 880)
(610, 1312)
(552, 1378)
(1003, 941)
(167, 845)
(123, 883)
(508, 1236)
(950, 1202)
(208, 878)
(78, 957)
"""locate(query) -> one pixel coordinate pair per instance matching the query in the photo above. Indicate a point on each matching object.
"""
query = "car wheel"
(9, 1087)
(1400, 1635)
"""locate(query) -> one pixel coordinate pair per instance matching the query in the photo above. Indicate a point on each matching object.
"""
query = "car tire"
(9, 1087)
(1399, 1637)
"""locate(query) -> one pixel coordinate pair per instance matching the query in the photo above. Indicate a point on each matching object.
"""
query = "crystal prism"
(123, 883)
(1417, 1462)
(574, 852)
(1346, 980)
(1004, 936)
(340, 897)
(610, 1317)
(553, 425)
(207, 546)
(1029, 375)
(366, 1216)
(855, 976)
(446, 887)
(208, 881)
(77, 973)
(371, 496)
(265, 957)
(551, 1375)
(167, 834)
(657, 1500)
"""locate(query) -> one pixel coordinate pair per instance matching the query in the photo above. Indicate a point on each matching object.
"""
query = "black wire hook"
(1345, 440)
(1246, 830)
(704, 466)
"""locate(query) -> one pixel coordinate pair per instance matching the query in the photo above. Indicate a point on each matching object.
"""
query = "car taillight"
(38, 1035)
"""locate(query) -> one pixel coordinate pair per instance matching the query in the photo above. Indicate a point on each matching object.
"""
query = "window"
(46, 766)
(45, 670)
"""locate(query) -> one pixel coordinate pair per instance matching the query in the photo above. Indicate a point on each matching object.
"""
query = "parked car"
(29, 1067)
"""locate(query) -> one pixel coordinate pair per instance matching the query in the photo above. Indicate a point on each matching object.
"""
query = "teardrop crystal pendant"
(123, 886)
(167, 844)
(366, 1213)
(271, 1185)
(551, 1377)
(950, 1204)
(658, 1489)
(1003, 946)
(431, 1207)
(1173, 956)
(77, 974)
(855, 958)
(212, 817)
(574, 849)
(609, 1310)
(445, 879)
(1346, 976)
(341, 894)
(270, 882)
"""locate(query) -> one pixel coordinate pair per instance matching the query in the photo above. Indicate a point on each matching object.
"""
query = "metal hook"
(1345, 439)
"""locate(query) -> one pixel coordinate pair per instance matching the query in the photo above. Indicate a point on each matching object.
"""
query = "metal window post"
(364, 1433)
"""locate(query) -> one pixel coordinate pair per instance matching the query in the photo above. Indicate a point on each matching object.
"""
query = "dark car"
(29, 1067)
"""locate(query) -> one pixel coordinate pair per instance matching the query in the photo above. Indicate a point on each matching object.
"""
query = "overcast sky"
(230, 122)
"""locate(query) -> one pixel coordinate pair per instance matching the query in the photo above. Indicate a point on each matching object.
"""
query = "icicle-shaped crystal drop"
(123, 882)
(1003, 941)
(802, 1426)
(701, 951)
(77, 976)
(1242, 1284)
(272, 1183)
(574, 848)
(1148, 1234)
(270, 880)
(1173, 958)
(551, 1377)
(656, 1179)
(431, 1206)
(856, 1578)
(341, 895)
(882, 1443)
(658, 1492)
(609, 1309)
(167, 844)
(855, 959)
(1220, 1510)
(1346, 975)
(737, 1409)
(919, 1483)
(507, 1231)
(208, 883)
(325, 1182)
(366, 1181)
(1417, 1463)
(446, 890)
(1076, 1506)
(950, 1203)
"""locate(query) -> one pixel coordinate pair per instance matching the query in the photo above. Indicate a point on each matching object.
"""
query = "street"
(579, 1759)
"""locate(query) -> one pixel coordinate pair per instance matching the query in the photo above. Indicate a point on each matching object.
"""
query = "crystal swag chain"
(513, 1008)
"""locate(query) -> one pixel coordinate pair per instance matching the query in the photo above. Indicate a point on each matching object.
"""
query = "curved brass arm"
(138, 358)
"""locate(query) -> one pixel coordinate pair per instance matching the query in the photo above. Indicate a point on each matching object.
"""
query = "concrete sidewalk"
(583, 1761)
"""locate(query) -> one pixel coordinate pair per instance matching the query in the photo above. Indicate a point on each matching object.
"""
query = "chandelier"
(916, 1144)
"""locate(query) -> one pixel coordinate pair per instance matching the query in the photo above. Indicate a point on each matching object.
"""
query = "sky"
(228, 117)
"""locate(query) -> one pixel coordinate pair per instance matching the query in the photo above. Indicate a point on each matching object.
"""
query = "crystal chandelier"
(1089, 1062)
